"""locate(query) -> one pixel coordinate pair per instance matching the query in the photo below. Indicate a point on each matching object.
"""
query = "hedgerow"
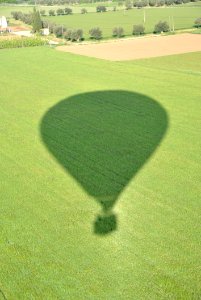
(21, 42)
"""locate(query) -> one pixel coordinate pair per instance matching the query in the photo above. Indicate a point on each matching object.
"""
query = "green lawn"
(82, 138)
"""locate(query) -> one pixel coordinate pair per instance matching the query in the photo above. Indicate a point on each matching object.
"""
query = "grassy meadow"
(184, 17)
(88, 145)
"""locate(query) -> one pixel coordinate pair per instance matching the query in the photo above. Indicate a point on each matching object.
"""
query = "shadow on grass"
(103, 139)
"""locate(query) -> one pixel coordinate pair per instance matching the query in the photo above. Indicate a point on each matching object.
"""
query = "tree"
(42, 12)
(51, 12)
(68, 11)
(169, 2)
(161, 27)
(118, 32)
(74, 35)
(95, 33)
(138, 29)
(128, 4)
(60, 12)
(83, 11)
(37, 23)
(59, 31)
(101, 8)
(198, 22)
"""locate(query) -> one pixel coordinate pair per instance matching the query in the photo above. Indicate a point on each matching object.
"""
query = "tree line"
(73, 35)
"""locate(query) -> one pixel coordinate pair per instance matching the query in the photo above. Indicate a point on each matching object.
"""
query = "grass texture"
(69, 126)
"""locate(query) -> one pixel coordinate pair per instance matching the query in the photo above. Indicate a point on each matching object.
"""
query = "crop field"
(183, 17)
(100, 176)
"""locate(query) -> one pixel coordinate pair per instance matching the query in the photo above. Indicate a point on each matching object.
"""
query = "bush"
(152, 2)
(198, 23)
(21, 42)
(59, 31)
(68, 11)
(83, 11)
(161, 27)
(128, 4)
(101, 8)
(67, 34)
(169, 2)
(42, 12)
(51, 12)
(74, 35)
(178, 1)
(95, 33)
(138, 29)
(160, 2)
(17, 15)
(60, 11)
(51, 26)
(118, 32)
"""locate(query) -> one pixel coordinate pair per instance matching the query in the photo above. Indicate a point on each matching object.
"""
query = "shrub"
(68, 11)
(95, 33)
(16, 15)
(198, 23)
(60, 11)
(74, 35)
(178, 1)
(51, 26)
(101, 8)
(160, 2)
(138, 29)
(27, 18)
(118, 32)
(42, 12)
(128, 4)
(83, 11)
(59, 31)
(169, 2)
(152, 2)
(67, 34)
(161, 27)
(21, 42)
(51, 12)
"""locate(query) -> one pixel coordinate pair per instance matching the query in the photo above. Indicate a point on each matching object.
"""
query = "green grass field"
(82, 138)
(184, 17)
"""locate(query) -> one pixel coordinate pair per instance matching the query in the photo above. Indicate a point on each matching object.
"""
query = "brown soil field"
(137, 48)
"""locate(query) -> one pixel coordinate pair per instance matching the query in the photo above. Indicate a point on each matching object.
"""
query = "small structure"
(3, 23)
(45, 31)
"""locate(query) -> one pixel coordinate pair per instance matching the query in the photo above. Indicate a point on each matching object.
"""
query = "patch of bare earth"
(138, 48)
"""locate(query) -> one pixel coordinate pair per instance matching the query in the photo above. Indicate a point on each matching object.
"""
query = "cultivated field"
(100, 176)
(139, 48)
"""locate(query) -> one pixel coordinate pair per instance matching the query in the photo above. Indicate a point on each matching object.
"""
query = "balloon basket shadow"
(105, 224)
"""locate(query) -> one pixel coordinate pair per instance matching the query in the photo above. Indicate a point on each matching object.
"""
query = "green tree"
(161, 27)
(138, 29)
(37, 23)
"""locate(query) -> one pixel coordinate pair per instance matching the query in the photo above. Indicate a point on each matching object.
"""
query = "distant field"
(87, 144)
(6, 10)
(184, 17)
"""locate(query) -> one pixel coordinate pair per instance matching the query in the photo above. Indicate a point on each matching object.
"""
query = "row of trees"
(34, 19)
(96, 33)
(75, 2)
